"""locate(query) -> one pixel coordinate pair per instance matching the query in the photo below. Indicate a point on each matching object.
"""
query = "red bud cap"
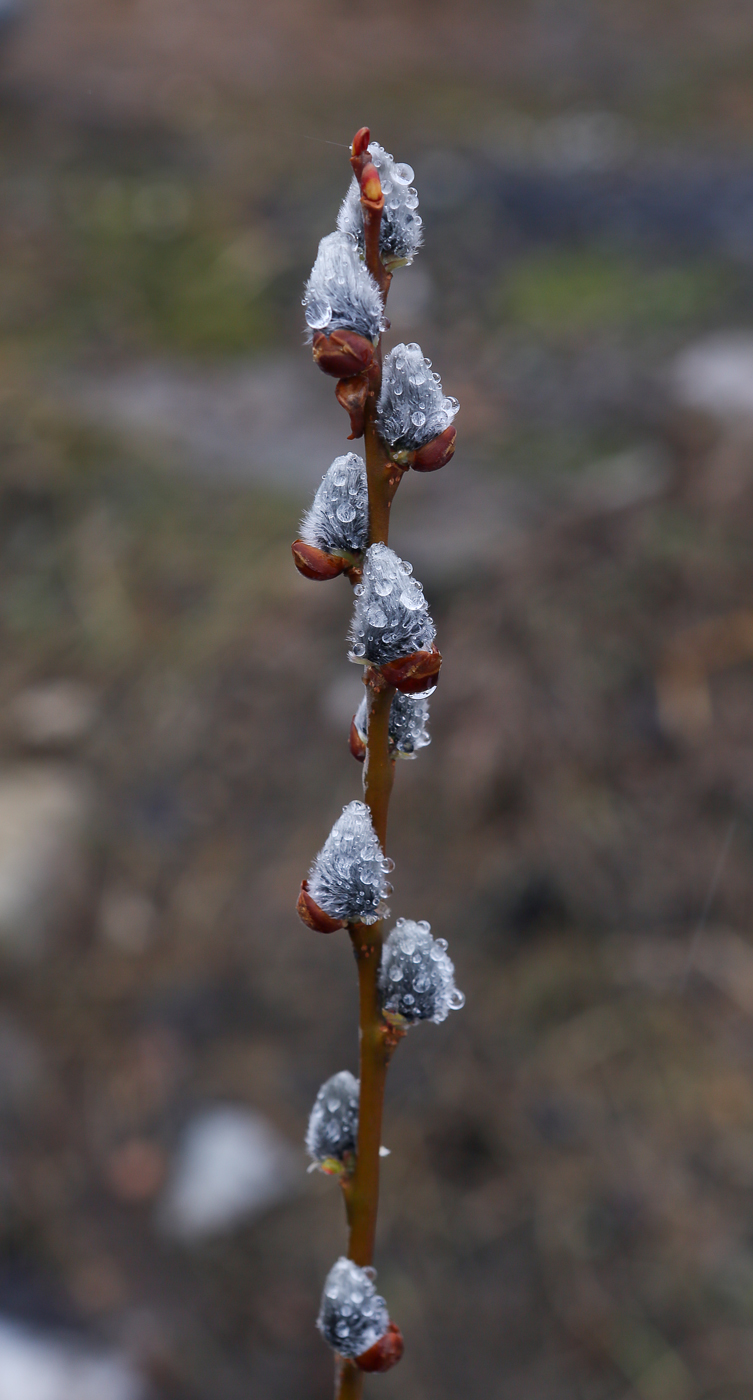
(357, 746)
(343, 353)
(313, 916)
(415, 673)
(316, 563)
(361, 142)
(371, 185)
(385, 1353)
(436, 453)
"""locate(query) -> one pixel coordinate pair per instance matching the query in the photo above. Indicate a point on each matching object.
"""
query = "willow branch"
(362, 1189)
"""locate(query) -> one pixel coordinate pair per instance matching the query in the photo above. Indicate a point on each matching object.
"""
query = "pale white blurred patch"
(231, 1165)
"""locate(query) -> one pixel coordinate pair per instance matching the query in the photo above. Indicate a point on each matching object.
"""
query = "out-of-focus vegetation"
(578, 291)
(568, 1201)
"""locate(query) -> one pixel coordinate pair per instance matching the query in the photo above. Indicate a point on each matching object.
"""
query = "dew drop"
(345, 513)
(402, 173)
(411, 599)
(418, 419)
(318, 313)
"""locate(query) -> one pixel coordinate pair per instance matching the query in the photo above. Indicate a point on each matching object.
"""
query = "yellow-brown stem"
(348, 1381)
(379, 767)
(361, 1191)
(362, 1194)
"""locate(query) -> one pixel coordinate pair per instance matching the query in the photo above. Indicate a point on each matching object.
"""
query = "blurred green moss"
(106, 557)
(150, 263)
(586, 290)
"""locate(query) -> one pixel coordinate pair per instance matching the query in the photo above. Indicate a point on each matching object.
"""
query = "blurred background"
(568, 1208)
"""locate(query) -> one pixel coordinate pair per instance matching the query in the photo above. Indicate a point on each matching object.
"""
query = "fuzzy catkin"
(416, 977)
(338, 518)
(352, 1316)
(347, 878)
(409, 717)
(341, 292)
(391, 617)
(333, 1125)
(401, 232)
(413, 408)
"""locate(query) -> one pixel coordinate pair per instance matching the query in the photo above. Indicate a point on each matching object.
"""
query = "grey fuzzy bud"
(409, 716)
(333, 1125)
(416, 977)
(341, 292)
(347, 879)
(401, 233)
(352, 1317)
(391, 617)
(413, 408)
(338, 518)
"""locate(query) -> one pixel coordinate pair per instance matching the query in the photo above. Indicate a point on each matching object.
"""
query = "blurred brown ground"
(568, 1207)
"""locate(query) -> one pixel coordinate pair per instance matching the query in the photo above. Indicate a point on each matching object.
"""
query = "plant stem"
(361, 1191)
(349, 1381)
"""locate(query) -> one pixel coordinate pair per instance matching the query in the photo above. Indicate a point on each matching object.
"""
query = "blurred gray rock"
(272, 421)
(35, 1366)
(56, 715)
(626, 479)
(45, 814)
(231, 1165)
(715, 376)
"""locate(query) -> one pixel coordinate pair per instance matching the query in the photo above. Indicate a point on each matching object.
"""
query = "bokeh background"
(568, 1208)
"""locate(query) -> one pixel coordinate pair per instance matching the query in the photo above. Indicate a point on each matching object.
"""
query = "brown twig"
(348, 1380)
(361, 1190)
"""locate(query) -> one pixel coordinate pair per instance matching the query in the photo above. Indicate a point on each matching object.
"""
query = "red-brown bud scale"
(385, 1353)
(343, 353)
(356, 744)
(313, 916)
(436, 453)
(351, 394)
(415, 673)
(316, 564)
